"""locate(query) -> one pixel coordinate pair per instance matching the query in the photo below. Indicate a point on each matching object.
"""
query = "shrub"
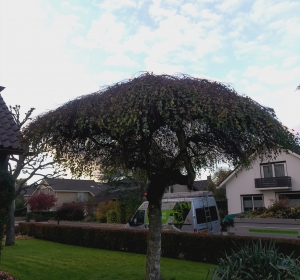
(5, 276)
(90, 218)
(125, 208)
(73, 211)
(177, 245)
(7, 194)
(111, 216)
(41, 202)
(278, 209)
(103, 208)
(257, 261)
(20, 207)
(101, 218)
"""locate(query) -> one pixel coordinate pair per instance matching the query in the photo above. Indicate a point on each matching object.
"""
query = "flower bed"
(278, 209)
(277, 221)
(5, 276)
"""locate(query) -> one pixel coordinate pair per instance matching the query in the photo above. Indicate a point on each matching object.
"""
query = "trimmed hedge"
(187, 246)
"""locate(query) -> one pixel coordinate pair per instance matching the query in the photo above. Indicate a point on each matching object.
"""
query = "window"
(273, 170)
(82, 196)
(293, 197)
(200, 214)
(251, 202)
(139, 217)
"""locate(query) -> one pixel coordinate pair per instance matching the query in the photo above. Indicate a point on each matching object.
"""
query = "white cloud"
(211, 19)
(189, 9)
(80, 9)
(120, 60)
(162, 68)
(33, 67)
(270, 75)
(106, 78)
(263, 11)
(104, 33)
(157, 13)
(289, 61)
(111, 5)
(228, 6)
(220, 58)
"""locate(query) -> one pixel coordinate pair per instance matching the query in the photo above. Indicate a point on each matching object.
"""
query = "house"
(70, 190)
(27, 193)
(200, 185)
(262, 184)
(9, 133)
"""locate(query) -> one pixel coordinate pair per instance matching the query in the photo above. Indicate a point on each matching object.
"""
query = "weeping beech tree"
(169, 127)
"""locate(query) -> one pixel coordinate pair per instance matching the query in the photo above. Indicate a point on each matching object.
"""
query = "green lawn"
(42, 260)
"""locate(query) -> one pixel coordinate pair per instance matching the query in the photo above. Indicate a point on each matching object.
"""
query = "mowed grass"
(42, 260)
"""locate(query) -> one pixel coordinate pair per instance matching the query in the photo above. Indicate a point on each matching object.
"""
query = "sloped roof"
(201, 185)
(238, 168)
(104, 195)
(28, 192)
(75, 185)
(9, 130)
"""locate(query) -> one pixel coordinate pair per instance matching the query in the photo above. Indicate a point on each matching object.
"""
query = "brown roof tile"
(9, 130)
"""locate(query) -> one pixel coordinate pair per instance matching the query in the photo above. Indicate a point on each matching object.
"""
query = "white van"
(188, 212)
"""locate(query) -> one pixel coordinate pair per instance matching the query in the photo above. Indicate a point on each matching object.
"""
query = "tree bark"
(154, 241)
(10, 227)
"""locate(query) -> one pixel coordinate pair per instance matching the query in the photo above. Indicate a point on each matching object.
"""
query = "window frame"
(252, 201)
(272, 164)
(85, 194)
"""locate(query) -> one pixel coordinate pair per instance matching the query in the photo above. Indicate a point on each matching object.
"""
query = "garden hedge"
(188, 246)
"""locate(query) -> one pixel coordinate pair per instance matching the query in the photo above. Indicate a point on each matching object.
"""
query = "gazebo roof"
(9, 130)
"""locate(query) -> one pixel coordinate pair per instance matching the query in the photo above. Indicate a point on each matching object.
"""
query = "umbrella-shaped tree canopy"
(168, 126)
(156, 122)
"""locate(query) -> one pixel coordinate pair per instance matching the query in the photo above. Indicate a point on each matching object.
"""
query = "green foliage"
(278, 209)
(78, 263)
(103, 208)
(187, 246)
(20, 207)
(125, 208)
(73, 211)
(111, 216)
(257, 261)
(160, 124)
(7, 194)
(218, 176)
(20, 202)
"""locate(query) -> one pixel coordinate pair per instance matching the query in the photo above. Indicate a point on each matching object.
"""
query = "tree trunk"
(154, 241)
(10, 227)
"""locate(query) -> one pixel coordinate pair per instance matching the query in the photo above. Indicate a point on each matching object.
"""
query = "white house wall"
(243, 183)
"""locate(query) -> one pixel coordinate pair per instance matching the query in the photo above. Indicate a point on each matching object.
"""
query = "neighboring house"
(201, 185)
(264, 183)
(26, 193)
(70, 190)
(9, 133)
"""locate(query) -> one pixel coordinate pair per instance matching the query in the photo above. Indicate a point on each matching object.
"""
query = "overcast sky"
(53, 51)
